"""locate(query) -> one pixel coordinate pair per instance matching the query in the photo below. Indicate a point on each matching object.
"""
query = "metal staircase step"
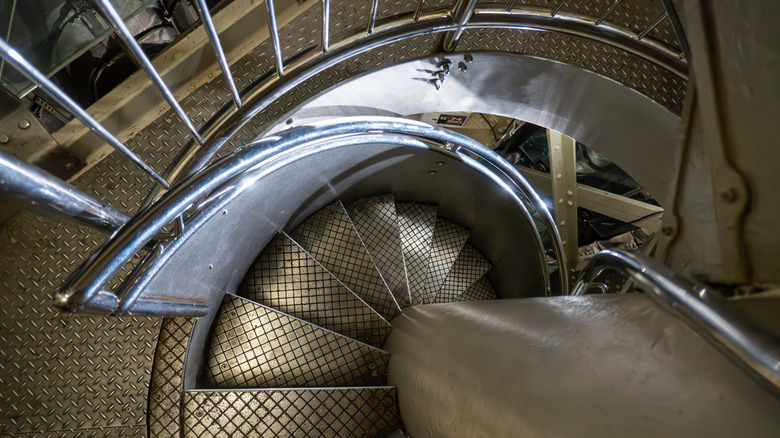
(481, 290)
(469, 267)
(287, 279)
(254, 346)
(321, 412)
(329, 236)
(447, 243)
(416, 223)
(377, 225)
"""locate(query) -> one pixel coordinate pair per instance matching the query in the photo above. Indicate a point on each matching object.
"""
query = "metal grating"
(448, 240)
(481, 290)
(416, 223)
(468, 268)
(376, 223)
(253, 346)
(332, 412)
(329, 236)
(287, 279)
(166, 384)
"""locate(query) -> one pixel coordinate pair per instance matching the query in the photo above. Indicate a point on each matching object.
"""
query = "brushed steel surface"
(469, 267)
(618, 364)
(329, 236)
(416, 223)
(287, 279)
(253, 346)
(331, 412)
(447, 242)
(376, 222)
(480, 290)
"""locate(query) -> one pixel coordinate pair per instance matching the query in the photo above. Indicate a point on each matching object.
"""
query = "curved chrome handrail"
(87, 282)
(750, 347)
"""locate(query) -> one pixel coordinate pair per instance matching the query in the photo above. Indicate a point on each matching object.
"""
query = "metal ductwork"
(330, 218)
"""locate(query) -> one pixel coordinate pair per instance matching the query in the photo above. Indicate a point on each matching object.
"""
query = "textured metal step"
(416, 223)
(469, 267)
(254, 346)
(448, 240)
(287, 279)
(325, 412)
(329, 236)
(376, 222)
(481, 290)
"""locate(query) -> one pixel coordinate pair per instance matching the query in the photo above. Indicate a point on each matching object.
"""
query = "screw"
(667, 231)
(729, 195)
(4, 138)
(24, 124)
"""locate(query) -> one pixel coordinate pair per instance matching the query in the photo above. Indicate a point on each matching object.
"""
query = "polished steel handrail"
(88, 281)
(211, 31)
(700, 305)
(136, 53)
(260, 94)
(464, 14)
(48, 193)
(28, 70)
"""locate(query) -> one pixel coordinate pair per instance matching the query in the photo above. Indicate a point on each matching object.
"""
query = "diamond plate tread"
(482, 289)
(329, 236)
(448, 240)
(284, 277)
(377, 225)
(253, 346)
(103, 432)
(333, 412)
(467, 269)
(416, 223)
(61, 371)
(165, 388)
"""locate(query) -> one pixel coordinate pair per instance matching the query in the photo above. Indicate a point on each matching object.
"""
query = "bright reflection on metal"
(91, 276)
(211, 31)
(753, 348)
(274, 31)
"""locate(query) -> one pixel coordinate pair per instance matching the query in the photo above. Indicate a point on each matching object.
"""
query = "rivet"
(562, 223)
(729, 195)
(559, 176)
(468, 58)
(462, 66)
(4, 138)
(24, 124)
(560, 201)
(569, 203)
(432, 172)
(440, 163)
(569, 192)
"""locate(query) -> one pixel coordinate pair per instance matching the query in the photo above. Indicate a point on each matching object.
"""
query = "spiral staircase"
(267, 253)
(298, 351)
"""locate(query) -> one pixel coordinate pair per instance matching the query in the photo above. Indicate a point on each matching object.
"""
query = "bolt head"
(4, 138)
(729, 195)
(24, 124)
